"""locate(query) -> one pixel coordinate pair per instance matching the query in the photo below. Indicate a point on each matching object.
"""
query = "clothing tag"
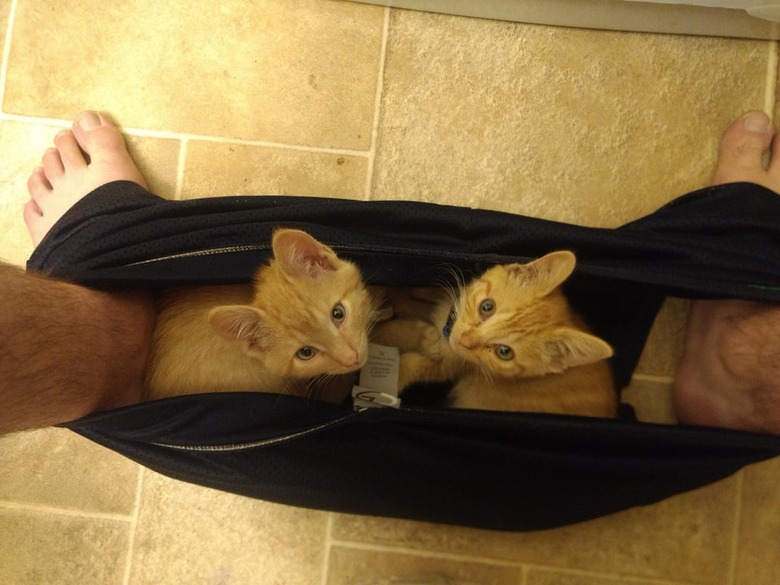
(364, 398)
(378, 384)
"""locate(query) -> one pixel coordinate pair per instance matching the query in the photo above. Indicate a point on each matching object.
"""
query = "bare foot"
(89, 156)
(729, 375)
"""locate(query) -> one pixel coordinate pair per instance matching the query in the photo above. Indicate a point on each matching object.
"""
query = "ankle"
(126, 319)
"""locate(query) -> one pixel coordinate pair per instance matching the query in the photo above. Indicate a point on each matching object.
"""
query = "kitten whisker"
(372, 313)
(455, 288)
(455, 274)
(487, 376)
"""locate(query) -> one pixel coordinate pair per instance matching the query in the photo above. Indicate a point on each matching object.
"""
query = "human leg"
(729, 375)
(66, 350)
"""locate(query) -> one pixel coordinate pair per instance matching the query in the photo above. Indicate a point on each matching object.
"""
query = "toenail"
(756, 122)
(88, 120)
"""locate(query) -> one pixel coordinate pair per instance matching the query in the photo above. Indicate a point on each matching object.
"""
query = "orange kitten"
(306, 315)
(509, 342)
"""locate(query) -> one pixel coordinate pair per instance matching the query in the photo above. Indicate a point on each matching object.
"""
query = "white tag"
(378, 385)
(381, 369)
(365, 398)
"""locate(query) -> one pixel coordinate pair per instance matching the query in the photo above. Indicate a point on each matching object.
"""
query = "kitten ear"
(568, 347)
(545, 273)
(300, 255)
(240, 324)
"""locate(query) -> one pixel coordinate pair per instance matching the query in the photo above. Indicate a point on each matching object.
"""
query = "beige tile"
(294, 71)
(191, 534)
(215, 169)
(666, 340)
(158, 159)
(588, 127)
(22, 146)
(776, 108)
(348, 566)
(758, 556)
(5, 9)
(652, 401)
(686, 538)
(40, 549)
(547, 577)
(56, 467)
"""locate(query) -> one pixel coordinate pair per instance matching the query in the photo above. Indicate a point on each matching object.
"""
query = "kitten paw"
(430, 341)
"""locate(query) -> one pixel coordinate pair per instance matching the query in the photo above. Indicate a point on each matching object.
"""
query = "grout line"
(770, 82)
(328, 546)
(652, 378)
(380, 86)
(57, 122)
(379, 548)
(133, 527)
(524, 575)
(7, 51)
(737, 528)
(180, 169)
(618, 578)
(523, 566)
(242, 142)
(44, 509)
(147, 133)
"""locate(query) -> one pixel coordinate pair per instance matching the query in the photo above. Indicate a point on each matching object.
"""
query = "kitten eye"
(306, 353)
(504, 352)
(486, 308)
(338, 313)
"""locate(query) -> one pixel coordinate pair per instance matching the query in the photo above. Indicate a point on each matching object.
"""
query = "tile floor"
(325, 97)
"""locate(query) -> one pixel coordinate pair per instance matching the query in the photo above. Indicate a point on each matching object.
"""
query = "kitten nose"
(467, 341)
(350, 359)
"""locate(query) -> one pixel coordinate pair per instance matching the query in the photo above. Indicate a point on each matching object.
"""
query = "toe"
(96, 135)
(38, 185)
(742, 149)
(32, 219)
(31, 210)
(71, 155)
(105, 149)
(52, 164)
(87, 121)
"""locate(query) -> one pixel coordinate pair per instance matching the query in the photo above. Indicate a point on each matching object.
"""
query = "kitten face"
(320, 327)
(310, 315)
(514, 321)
